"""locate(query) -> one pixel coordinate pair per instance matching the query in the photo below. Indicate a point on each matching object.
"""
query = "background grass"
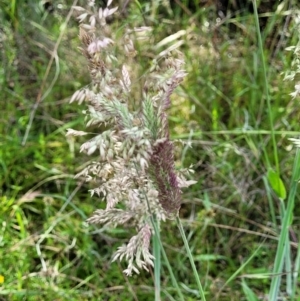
(232, 217)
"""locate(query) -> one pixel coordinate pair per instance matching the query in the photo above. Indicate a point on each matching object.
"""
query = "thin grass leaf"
(157, 262)
(286, 222)
(190, 256)
(249, 294)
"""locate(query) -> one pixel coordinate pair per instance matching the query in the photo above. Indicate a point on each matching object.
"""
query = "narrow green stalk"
(271, 203)
(13, 8)
(288, 267)
(189, 253)
(295, 274)
(241, 268)
(157, 261)
(266, 86)
(173, 278)
(287, 254)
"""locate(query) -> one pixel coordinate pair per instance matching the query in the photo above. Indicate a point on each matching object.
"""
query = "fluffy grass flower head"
(133, 168)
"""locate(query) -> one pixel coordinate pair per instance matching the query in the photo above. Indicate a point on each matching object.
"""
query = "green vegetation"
(241, 219)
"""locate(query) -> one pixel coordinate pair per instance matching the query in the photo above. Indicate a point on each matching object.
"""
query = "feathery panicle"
(134, 169)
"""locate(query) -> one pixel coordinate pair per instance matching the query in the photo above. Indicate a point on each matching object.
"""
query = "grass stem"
(189, 253)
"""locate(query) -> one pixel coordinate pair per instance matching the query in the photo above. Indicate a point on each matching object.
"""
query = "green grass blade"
(196, 275)
(266, 86)
(173, 278)
(157, 262)
(270, 201)
(283, 239)
(239, 270)
(250, 295)
(295, 274)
